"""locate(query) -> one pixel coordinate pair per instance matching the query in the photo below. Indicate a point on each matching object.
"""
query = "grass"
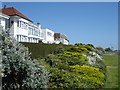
(111, 61)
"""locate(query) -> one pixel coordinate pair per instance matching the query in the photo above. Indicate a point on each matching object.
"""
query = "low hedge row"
(41, 50)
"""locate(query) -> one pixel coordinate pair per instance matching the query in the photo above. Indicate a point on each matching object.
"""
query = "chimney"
(38, 24)
(4, 6)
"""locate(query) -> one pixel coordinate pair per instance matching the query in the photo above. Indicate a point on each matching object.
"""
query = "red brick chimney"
(4, 6)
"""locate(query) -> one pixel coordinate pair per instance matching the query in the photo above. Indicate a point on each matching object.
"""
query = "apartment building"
(60, 38)
(48, 35)
(23, 29)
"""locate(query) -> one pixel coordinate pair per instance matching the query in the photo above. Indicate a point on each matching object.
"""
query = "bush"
(61, 78)
(91, 74)
(72, 70)
(79, 75)
(18, 69)
(108, 49)
(42, 50)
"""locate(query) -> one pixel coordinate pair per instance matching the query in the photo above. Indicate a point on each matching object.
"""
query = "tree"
(108, 49)
(18, 69)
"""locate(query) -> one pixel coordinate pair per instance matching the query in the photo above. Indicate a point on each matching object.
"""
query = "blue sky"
(83, 22)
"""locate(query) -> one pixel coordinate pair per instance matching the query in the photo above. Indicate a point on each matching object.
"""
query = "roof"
(56, 35)
(59, 35)
(11, 11)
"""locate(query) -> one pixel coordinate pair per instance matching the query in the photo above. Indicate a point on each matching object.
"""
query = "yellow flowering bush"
(90, 48)
(91, 74)
(9, 40)
(2, 74)
(78, 55)
(71, 69)
(84, 49)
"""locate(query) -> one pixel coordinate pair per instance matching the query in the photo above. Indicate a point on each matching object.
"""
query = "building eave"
(4, 16)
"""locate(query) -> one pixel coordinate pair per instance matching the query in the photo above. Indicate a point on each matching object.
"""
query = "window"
(6, 23)
(12, 22)
(20, 37)
(22, 25)
(0, 20)
(28, 39)
(17, 23)
(32, 31)
(29, 31)
(25, 25)
(49, 34)
(17, 37)
(42, 35)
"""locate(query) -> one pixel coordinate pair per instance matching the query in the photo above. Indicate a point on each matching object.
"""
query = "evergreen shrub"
(19, 71)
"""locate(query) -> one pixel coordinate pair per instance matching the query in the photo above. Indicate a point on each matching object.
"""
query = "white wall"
(20, 31)
(3, 22)
(48, 36)
(24, 20)
(57, 41)
(3, 19)
(65, 42)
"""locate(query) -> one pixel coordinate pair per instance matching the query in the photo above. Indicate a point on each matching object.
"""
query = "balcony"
(21, 31)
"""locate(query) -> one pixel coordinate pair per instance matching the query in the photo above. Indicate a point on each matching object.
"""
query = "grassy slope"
(111, 62)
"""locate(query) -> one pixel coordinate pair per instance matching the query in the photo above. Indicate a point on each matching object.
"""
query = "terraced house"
(23, 29)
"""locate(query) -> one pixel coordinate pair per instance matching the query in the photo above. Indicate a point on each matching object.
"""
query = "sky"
(83, 22)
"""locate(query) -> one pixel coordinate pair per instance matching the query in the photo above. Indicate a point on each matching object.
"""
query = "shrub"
(65, 59)
(18, 69)
(42, 50)
(108, 49)
(80, 48)
(71, 69)
(61, 78)
(63, 75)
(91, 74)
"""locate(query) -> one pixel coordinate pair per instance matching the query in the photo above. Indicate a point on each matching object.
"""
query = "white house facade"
(22, 28)
(4, 20)
(48, 35)
(60, 38)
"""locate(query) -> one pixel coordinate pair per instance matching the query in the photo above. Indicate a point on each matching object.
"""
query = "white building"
(48, 35)
(4, 20)
(23, 29)
(60, 38)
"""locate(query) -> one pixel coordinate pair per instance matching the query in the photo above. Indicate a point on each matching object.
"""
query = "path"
(111, 61)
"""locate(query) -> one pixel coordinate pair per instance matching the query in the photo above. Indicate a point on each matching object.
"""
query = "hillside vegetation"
(18, 70)
(80, 65)
(55, 65)
(74, 66)
(41, 50)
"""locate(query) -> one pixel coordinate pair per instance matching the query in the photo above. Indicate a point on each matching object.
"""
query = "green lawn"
(111, 61)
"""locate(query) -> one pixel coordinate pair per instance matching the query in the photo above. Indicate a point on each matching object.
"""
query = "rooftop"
(11, 11)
